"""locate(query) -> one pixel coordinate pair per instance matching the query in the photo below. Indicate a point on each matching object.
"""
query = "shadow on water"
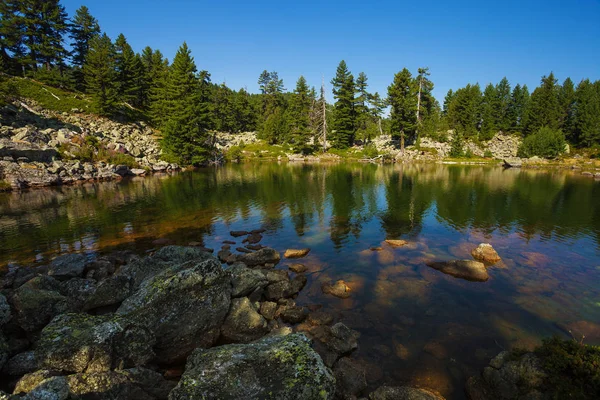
(418, 325)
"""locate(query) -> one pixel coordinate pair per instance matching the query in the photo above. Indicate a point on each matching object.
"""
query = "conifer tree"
(566, 101)
(501, 114)
(158, 76)
(44, 23)
(402, 97)
(300, 115)
(544, 109)
(83, 28)
(344, 120)
(489, 112)
(361, 108)
(586, 113)
(12, 49)
(223, 111)
(376, 110)
(130, 71)
(100, 74)
(447, 100)
(185, 137)
(464, 110)
(517, 109)
(244, 114)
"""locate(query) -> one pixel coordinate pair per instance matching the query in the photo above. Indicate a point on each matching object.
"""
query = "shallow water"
(418, 325)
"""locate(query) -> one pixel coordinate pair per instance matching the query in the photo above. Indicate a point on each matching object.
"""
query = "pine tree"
(44, 22)
(185, 137)
(244, 114)
(129, 72)
(544, 109)
(586, 114)
(489, 114)
(300, 115)
(566, 101)
(378, 106)
(361, 108)
(83, 28)
(158, 76)
(464, 110)
(501, 114)
(402, 97)
(447, 100)
(223, 111)
(517, 108)
(100, 74)
(12, 49)
(273, 108)
(344, 120)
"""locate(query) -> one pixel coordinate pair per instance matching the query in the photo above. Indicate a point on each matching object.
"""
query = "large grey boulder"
(67, 266)
(184, 305)
(245, 280)
(86, 343)
(5, 313)
(276, 367)
(260, 257)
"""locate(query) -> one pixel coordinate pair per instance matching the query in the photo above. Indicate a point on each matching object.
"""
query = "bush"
(468, 153)
(573, 368)
(235, 153)
(370, 151)
(457, 146)
(546, 143)
(488, 154)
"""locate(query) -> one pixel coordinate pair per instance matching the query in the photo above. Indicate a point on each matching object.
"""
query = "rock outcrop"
(238, 371)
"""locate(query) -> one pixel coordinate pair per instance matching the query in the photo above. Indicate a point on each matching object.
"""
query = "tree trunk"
(402, 142)
(380, 130)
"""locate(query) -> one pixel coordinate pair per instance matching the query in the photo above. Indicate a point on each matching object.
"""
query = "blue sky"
(460, 41)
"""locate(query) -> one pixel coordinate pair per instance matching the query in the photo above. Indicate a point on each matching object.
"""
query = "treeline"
(187, 106)
(572, 111)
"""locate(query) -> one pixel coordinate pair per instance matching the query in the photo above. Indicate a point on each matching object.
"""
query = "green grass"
(42, 94)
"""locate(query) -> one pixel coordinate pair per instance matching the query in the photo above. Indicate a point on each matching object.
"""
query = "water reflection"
(418, 325)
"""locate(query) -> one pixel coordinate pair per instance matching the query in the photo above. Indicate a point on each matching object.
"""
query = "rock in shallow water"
(240, 371)
(260, 257)
(243, 323)
(296, 253)
(464, 269)
(485, 253)
(338, 289)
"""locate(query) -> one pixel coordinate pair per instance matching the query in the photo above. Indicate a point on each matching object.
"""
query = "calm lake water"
(418, 325)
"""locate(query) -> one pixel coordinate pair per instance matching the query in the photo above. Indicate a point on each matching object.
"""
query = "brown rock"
(238, 233)
(298, 268)
(396, 242)
(338, 289)
(436, 350)
(464, 269)
(296, 253)
(486, 253)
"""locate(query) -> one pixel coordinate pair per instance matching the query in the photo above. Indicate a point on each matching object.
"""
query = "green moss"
(4, 186)
(573, 368)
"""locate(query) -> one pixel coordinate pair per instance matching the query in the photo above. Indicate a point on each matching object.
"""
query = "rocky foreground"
(176, 324)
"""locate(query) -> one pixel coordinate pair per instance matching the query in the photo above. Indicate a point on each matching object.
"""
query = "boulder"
(338, 289)
(5, 313)
(184, 305)
(334, 342)
(138, 171)
(285, 288)
(31, 151)
(4, 350)
(260, 257)
(245, 280)
(296, 253)
(298, 268)
(67, 266)
(464, 269)
(403, 393)
(396, 242)
(238, 233)
(243, 323)
(86, 343)
(21, 364)
(294, 314)
(485, 253)
(111, 291)
(350, 378)
(239, 371)
(509, 377)
(513, 162)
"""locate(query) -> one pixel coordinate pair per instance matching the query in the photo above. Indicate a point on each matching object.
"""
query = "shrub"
(457, 146)
(121, 159)
(92, 141)
(546, 143)
(488, 154)
(235, 153)
(573, 368)
(468, 153)
(370, 151)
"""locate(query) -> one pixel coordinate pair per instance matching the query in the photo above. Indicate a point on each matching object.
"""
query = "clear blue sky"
(460, 41)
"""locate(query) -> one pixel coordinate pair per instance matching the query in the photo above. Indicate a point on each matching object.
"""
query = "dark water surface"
(418, 325)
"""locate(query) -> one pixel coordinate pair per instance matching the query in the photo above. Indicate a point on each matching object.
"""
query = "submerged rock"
(403, 393)
(396, 242)
(245, 280)
(464, 269)
(485, 253)
(338, 289)
(334, 342)
(298, 268)
(239, 371)
(350, 378)
(296, 253)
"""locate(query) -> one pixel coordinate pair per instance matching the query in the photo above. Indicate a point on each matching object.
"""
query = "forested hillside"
(38, 40)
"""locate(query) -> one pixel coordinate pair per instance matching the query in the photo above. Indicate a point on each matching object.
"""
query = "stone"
(285, 288)
(268, 309)
(404, 393)
(243, 323)
(243, 250)
(485, 253)
(245, 280)
(260, 257)
(464, 269)
(5, 313)
(237, 371)
(138, 171)
(110, 291)
(334, 342)
(298, 268)
(238, 233)
(21, 364)
(396, 242)
(350, 378)
(318, 317)
(513, 162)
(86, 343)
(4, 350)
(296, 253)
(338, 289)
(253, 238)
(55, 388)
(184, 305)
(294, 315)
(436, 349)
(509, 377)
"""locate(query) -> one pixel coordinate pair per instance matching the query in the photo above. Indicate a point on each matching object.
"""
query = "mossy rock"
(279, 367)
